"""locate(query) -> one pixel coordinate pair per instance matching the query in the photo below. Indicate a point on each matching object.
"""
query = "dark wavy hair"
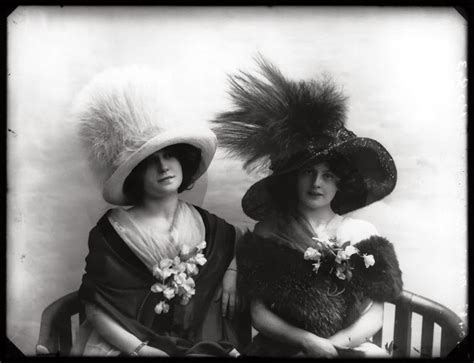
(351, 186)
(188, 156)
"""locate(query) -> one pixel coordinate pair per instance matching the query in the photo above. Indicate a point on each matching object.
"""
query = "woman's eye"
(328, 176)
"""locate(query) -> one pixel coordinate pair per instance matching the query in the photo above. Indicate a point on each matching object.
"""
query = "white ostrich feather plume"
(120, 110)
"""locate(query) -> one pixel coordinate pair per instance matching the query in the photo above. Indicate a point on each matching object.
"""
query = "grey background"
(403, 69)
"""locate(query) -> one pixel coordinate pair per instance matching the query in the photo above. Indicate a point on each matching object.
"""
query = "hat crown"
(312, 146)
(120, 110)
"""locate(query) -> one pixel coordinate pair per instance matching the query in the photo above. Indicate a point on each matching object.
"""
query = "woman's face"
(163, 174)
(316, 186)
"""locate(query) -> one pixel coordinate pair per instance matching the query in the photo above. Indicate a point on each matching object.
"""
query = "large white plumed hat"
(127, 114)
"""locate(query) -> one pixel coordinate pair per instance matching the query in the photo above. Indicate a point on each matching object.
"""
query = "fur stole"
(320, 303)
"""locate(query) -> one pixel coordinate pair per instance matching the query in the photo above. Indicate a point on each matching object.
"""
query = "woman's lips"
(315, 194)
(166, 178)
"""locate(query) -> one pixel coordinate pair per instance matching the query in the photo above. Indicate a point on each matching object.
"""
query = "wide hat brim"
(369, 157)
(203, 139)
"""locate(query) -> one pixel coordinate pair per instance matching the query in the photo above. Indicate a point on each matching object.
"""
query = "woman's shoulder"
(264, 228)
(260, 247)
(104, 221)
(355, 230)
(205, 214)
(208, 217)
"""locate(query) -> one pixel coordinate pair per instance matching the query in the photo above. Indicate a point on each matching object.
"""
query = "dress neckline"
(329, 228)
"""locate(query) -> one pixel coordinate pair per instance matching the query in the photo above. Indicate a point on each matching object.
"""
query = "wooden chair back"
(431, 312)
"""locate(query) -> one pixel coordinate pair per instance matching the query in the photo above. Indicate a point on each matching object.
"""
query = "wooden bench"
(55, 337)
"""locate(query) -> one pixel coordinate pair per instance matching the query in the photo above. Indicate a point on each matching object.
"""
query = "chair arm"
(439, 313)
(452, 328)
(56, 323)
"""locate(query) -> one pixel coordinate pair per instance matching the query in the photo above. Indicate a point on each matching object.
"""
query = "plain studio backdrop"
(404, 70)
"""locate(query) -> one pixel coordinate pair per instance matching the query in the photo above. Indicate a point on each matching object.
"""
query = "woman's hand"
(317, 347)
(148, 351)
(362, 329)
(230, 299)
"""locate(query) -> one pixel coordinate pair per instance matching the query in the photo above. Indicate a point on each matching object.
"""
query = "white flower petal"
(369, 260)
(167, 273)
(341, 256)
(165, 263)
(169, 293)
(157, 287)
(161, 307)
(157, 272)
(200, 259)
(311, 254)
(350, 250)
(340, 274)
(185, 250)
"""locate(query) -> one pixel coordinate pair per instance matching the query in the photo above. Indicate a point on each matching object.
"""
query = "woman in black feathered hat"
(316, 279)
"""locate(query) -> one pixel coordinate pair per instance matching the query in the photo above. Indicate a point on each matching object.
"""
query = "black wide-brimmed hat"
(284, 125)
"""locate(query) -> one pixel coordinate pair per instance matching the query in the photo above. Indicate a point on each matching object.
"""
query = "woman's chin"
(315, 204)
(164, 192)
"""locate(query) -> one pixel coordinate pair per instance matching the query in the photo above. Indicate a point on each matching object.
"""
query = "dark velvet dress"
(119, 283)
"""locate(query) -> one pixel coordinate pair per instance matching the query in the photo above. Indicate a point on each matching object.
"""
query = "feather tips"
(274, 116)
(117, 112)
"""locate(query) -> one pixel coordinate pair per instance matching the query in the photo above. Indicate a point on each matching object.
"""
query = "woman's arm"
(230, 298)
(272, 326)
(364, 328)
(116, 335)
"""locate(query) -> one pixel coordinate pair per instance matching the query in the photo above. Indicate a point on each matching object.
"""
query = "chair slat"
(402, 332)
(427, 331)
(377, 338)
(449, 339)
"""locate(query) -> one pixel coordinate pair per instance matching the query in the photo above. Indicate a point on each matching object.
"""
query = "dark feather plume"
(274, 116)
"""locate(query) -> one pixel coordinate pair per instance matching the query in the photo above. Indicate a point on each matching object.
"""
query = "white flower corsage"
(175, 276)
(327, 249)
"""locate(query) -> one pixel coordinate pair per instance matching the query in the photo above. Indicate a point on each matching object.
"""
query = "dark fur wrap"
(280, 277)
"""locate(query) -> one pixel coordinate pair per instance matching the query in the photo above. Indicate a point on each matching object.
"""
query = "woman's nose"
(317, 180)
(162, 165)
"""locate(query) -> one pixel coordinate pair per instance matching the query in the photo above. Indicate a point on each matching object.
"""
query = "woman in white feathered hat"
(153, 270)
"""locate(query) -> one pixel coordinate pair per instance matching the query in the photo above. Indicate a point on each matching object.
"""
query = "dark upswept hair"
(188, 156)
(351, 186)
